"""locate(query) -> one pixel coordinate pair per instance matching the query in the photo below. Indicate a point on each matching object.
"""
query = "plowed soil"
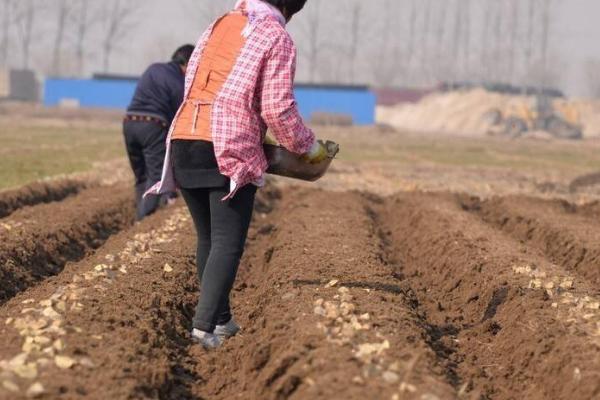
(566, 234)
(506, 317)
(37, 193)
(340, 295)
(585, 181)
(36, 242)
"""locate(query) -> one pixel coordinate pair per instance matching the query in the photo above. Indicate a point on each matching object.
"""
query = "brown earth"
(341, 295)
(37, 193)
(36, 242)
(585, 181)
(505, 316)
(591, 210)
(564, 233)
(298, 343)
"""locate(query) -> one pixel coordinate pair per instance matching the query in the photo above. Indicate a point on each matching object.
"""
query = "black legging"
(222, 228)
(145, 142)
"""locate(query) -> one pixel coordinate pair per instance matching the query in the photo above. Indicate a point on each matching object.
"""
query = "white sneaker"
(207, 340)
(228, 330)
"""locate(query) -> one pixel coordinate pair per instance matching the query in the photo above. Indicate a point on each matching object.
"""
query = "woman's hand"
(317, 153)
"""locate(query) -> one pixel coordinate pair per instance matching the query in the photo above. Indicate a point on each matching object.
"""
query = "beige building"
(21, 85)
(4, 83)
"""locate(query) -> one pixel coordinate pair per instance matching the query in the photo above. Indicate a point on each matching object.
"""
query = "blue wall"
(358, 102)
(89, 93)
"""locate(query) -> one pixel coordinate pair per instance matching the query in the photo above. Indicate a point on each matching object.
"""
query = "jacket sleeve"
(279, 109)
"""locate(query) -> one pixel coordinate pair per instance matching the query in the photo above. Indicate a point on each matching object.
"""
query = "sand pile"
(464, 113)
(589, 114)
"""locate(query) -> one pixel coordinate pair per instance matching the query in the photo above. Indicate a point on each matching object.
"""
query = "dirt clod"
(64, 362)
(35, 390)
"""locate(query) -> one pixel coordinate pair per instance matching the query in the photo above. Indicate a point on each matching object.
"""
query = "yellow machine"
(560, 119)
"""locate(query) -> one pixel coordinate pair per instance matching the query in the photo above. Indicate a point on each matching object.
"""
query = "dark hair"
(182, 55)
(291, 6)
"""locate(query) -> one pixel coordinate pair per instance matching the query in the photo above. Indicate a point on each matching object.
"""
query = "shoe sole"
(204, 345)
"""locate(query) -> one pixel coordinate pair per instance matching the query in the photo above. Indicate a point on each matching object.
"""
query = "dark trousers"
(146, 148)
(222, 228)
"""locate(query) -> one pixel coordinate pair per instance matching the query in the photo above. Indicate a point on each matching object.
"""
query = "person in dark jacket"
(157, 98)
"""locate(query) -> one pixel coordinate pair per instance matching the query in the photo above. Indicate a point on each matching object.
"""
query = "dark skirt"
(195, 165)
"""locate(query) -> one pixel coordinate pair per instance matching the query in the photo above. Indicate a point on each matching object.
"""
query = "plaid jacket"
(257, 95)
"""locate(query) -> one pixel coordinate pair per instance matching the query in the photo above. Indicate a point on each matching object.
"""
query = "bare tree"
(7, 21)
(118, 17)
(441, 34)
(385, 67)
(485, 46)
(398, 33)
(312, 32)
(456, 37)
(63, 10)
(355, 32)
(25, 18)
(413, 17)
(498, 36)
(425, 66)
(83, 19)
(530, 40)
(546, 21)
(203, 13)
(514, 32)
(466, 37)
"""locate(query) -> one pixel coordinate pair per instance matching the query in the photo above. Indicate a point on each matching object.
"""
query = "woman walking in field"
(239, 83)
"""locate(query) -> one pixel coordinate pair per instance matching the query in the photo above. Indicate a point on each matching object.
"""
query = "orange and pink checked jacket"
(258, 94)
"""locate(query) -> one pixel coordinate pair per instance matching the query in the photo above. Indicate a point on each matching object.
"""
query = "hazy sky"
(578, 37)
(162, 25)
(576, 34)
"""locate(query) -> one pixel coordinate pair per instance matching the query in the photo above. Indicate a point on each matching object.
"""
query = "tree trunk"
(530, 41)
(426, 53)
(354, 39)
(82, 29)
(514, 31)
(314, 22)
(27, 21)
(118, 23)
(63, 13)
(412, 33)
(441, 37)
(466, 67)
(456, 39)
(106, 57)
(384, 74)
(546, 21)
(6, 24)
(24, 18)
(498, 53)
(485, 42)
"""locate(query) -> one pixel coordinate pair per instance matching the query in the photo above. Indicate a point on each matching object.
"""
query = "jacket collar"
(257, 9)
